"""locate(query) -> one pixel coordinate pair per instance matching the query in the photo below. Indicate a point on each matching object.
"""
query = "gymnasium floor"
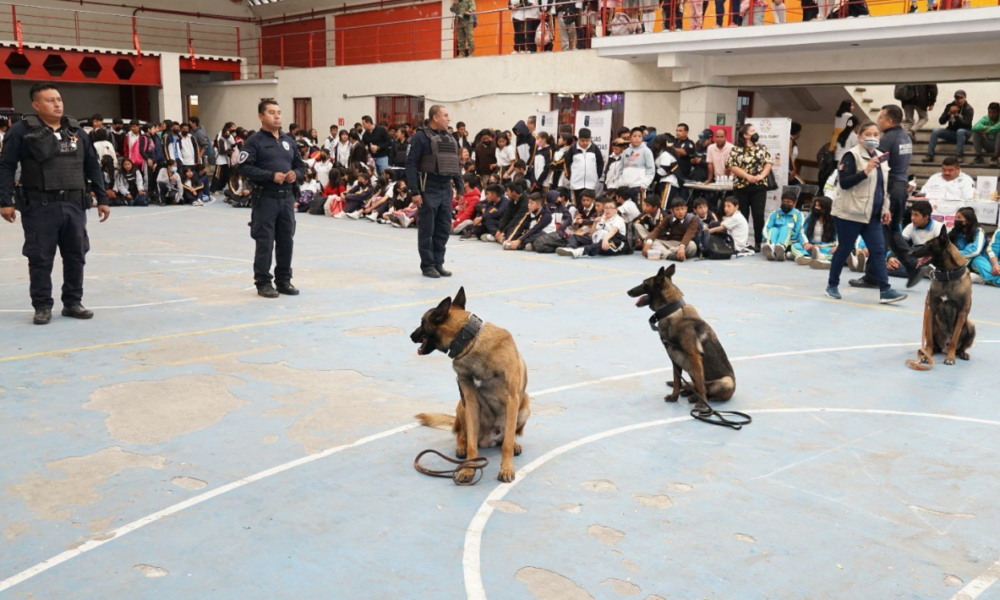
(196, 441)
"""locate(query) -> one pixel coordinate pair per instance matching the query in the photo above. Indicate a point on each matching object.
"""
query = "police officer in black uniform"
(57, 159)
(271, 161)
(432, 168)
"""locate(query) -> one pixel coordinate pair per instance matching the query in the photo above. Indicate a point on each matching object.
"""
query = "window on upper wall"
(569, 104)
(400, 109)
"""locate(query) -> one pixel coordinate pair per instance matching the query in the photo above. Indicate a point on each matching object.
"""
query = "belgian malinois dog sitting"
(492, 379)
(947, 327)
(690, 342)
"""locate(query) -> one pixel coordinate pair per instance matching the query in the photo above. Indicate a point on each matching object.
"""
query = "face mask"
(754, 138)
(184, 133)
(173, 169)
(870, 143)
(175, 131)
(786, 209)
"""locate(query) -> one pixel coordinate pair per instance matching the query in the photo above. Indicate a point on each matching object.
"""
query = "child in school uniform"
(536, 222)
(609, 237)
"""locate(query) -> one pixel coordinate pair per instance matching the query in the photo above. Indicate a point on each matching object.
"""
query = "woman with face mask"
(860, 208)
(750, 164)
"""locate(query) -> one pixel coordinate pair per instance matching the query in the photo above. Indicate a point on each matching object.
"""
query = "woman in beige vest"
(861, 208)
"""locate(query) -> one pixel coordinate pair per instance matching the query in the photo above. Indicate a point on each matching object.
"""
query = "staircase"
(866, 102)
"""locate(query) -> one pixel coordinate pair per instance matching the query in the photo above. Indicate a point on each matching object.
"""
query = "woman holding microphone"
(860, 208)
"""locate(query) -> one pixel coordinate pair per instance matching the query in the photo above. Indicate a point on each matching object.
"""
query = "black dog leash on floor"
(477, 464)
(716, 417)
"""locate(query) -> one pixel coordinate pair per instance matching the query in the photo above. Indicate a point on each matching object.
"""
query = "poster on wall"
(599, 124)
(775, 135)
(547, 121)
(986, 187)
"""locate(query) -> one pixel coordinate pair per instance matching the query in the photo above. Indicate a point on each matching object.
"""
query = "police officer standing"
(432, 167)
(57, 159)
(271, 161)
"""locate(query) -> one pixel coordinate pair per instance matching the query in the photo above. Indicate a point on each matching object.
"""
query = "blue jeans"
(874, 237)
(381, 164)
(956, 136)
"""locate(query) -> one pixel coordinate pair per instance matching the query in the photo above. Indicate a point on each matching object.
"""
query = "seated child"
(309, 192)
(517, 208)
(627, 207)
(609, 237)
(674, 237)
(735, 226)
(168, 184)
(238, 191)
(201, 174)
(818, 238)
(129, 185)
(484, 226)
(922, 228)
(782, 228)
(358, 195)
(192, 187)
(706, 220)
(970, 239)
(583, 219)
(536, 222)
(379, 202)
(466, 209)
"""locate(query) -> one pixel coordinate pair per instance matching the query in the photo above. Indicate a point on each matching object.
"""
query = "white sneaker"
(779, 253)
(564, 251)
(767, 251)
(340, 215)
(803, 260)
(404, 221)
(852, 262)
(862, 262)
(197, 203)
(488, 237)
(373, 217)
(354, 215)
(578, 253)
(977, 278)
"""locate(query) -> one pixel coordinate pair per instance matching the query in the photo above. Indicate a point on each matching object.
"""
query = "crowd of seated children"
(674, 237)
(129, 187)
(734, 227)
(818, 236)
(608, 237)
(536, 221)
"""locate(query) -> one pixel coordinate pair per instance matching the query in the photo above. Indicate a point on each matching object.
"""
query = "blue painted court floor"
(196, 441)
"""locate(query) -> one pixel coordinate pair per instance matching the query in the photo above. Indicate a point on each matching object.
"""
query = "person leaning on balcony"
(525, 15)
(465, 22)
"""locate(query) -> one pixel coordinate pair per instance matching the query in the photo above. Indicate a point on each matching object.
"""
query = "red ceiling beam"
(77, 66)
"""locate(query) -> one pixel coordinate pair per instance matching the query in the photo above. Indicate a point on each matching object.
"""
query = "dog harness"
(465, 337)
(937, 275)
(663, 313)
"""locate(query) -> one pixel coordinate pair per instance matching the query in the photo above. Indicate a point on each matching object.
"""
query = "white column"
(701, 106)
(170, 96)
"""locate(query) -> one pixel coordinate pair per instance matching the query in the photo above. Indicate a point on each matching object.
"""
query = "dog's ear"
(440, 314)
(943, 236)
(459, 301)
(670, 271)
(660, 273)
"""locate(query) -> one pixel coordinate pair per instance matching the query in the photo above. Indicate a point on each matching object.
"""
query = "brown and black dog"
(492, 379)
(947, 327)
(690, 342)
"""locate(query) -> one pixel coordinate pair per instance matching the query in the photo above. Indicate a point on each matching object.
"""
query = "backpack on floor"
(316, 205)
(720, 247)
(548, 242)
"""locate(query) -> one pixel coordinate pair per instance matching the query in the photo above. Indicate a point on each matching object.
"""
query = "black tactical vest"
(53, 161)
(443, 158)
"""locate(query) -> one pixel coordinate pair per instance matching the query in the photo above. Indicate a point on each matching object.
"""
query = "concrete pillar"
(702, 106)
(170, 97)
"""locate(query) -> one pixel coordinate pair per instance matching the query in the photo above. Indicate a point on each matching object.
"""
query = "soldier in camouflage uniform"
(465, 16)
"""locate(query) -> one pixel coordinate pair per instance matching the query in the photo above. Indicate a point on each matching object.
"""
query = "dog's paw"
(703, 408)
(517, 449)
(461, 453)
(506, 474)
(465, 475)
(672, 397)
(963, 355)
(950, 359)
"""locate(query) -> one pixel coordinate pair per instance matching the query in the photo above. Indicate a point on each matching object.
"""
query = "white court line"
(194, 501)
(11, 310)
(472, 554)
(980, 584)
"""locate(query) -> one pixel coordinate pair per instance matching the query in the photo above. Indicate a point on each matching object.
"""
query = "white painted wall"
(234, 101)
(484, 92)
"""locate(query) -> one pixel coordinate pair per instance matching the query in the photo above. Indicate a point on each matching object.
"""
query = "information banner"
(599, 124)
(547, 121)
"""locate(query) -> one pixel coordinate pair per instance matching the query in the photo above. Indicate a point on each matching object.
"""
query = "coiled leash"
(477, 464)
(712, 416)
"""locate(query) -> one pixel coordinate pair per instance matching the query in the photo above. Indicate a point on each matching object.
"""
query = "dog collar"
(468, 333)
(937, 275)
(663, 313)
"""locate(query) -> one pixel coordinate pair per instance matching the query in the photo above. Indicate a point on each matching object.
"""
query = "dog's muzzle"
(419, 337)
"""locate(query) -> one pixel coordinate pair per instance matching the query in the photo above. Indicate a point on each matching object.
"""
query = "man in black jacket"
(378, 141)
(957, 118)
(919, 99)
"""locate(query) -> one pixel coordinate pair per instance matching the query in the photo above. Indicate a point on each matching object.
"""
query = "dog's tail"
(437, 421)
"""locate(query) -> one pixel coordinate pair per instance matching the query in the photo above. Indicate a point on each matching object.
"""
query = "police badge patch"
(286, 146)
(243, 157)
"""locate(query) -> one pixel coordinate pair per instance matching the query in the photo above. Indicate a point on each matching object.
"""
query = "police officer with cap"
(432, 168)
(271, 161)
(57, 159)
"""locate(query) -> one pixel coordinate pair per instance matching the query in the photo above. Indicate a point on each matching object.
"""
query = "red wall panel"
(296, 43)
(398, 34)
